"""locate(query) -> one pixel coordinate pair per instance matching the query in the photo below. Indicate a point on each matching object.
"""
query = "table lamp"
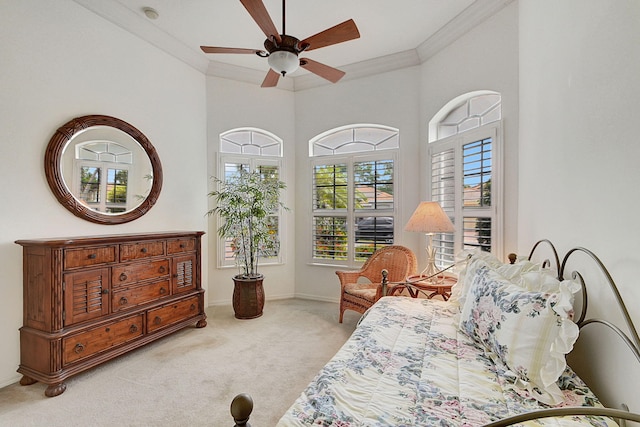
(429, 218)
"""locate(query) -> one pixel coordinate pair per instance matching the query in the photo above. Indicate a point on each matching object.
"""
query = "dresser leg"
(55, 390)
(25, 380)
(201, 323)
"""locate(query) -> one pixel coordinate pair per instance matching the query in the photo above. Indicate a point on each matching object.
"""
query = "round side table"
(441, 285)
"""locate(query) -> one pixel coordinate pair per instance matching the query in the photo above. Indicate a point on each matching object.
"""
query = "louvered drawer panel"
(86, 295)
(128, 298)
(131, 273)
(95, 340)
(84, 257)
(141, 250)
(171, 313)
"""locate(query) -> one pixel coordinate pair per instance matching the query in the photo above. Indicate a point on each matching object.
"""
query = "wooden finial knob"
(512, 258)
(241, 408)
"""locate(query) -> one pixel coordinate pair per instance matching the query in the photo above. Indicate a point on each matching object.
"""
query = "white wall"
(486, 58)
(231, 105)
(579, 148)
(388, 99)
(60, 61)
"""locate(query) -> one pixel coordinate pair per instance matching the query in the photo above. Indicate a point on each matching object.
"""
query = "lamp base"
(431, 271)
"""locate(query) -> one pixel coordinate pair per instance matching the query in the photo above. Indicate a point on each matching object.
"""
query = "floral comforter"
(407, 364)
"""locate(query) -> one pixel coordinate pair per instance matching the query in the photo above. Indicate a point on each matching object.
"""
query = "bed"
(494, 354)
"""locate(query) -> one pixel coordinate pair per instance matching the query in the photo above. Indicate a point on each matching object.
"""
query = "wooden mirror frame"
(53, 170)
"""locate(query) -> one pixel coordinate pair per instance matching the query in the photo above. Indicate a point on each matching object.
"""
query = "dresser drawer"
(172, 313)
(141, 250)
(74, 258)
(131, 273)
(128, 298)
(181, 245)
(95, 340)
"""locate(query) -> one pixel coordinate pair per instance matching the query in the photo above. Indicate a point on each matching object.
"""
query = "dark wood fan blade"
(324, 71)
(334, 35)
(271, 79)
(259, 14)
(214, 49)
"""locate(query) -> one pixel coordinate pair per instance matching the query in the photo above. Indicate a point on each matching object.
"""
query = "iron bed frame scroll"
(632, 340)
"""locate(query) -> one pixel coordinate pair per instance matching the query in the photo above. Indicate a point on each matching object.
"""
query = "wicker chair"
(398, 260)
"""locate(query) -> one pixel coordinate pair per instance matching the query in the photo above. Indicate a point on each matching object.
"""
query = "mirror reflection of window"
(96, 160)
(89, 184)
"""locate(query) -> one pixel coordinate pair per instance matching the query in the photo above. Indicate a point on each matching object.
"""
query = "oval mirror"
(103, 169)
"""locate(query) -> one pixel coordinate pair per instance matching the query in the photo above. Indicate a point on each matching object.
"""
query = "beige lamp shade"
(429, 218)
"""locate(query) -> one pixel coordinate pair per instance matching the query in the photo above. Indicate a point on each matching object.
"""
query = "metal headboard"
(633, 341)
(630, 338)
(546, 262)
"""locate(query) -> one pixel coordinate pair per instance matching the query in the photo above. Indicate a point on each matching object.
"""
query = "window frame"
(456, 143)
(253, 162)
(350, 213)
(253, 155)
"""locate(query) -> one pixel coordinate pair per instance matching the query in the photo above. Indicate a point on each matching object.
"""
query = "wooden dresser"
(90, 299)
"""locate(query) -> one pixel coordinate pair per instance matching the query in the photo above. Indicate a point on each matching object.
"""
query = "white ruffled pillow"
(529, 275)
(530, 331)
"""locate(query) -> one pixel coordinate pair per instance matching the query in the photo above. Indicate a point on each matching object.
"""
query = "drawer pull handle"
(107, 329)
(163, 291)
(157, 320)
(123, 277)
(92, 256)
(143, 250)
(104, 291)
(79, 348)
(133, 329)
(124, 301)
(162, 269)
(182, 245)
(193, 307)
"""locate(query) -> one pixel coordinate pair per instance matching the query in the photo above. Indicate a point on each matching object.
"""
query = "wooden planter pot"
(248, 297)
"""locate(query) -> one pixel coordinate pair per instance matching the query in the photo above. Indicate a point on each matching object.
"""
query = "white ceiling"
(408, 31)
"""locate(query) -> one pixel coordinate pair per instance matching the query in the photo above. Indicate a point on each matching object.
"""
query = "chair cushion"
(365, 291)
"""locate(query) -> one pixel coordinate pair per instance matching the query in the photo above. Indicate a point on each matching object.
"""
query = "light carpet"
(189, 378)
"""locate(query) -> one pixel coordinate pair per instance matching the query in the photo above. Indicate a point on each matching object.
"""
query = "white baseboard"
(317, 298)
(279, 297)
(9, 381)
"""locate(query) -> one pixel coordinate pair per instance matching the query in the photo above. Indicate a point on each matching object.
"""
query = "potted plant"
(245, 203)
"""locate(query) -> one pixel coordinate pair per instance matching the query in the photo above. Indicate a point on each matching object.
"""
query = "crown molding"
(476, 13)
(128, 20)
(244, 74)
(357, 70)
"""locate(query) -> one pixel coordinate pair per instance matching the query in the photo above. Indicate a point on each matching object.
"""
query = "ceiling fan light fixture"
(283, 62)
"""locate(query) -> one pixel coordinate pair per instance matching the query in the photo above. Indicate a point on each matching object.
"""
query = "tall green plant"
(244, 202)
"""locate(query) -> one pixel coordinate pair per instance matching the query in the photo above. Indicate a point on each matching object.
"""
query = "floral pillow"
(530, 331)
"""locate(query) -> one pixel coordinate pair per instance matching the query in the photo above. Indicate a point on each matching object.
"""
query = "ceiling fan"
(282, 50)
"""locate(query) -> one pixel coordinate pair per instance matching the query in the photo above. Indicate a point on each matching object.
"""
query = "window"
(101, 176)
(465, 178)
(251, 149)
(353, 207)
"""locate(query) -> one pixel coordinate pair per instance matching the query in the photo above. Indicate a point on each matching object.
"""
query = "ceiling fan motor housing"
(283, 56)
(289, 43)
